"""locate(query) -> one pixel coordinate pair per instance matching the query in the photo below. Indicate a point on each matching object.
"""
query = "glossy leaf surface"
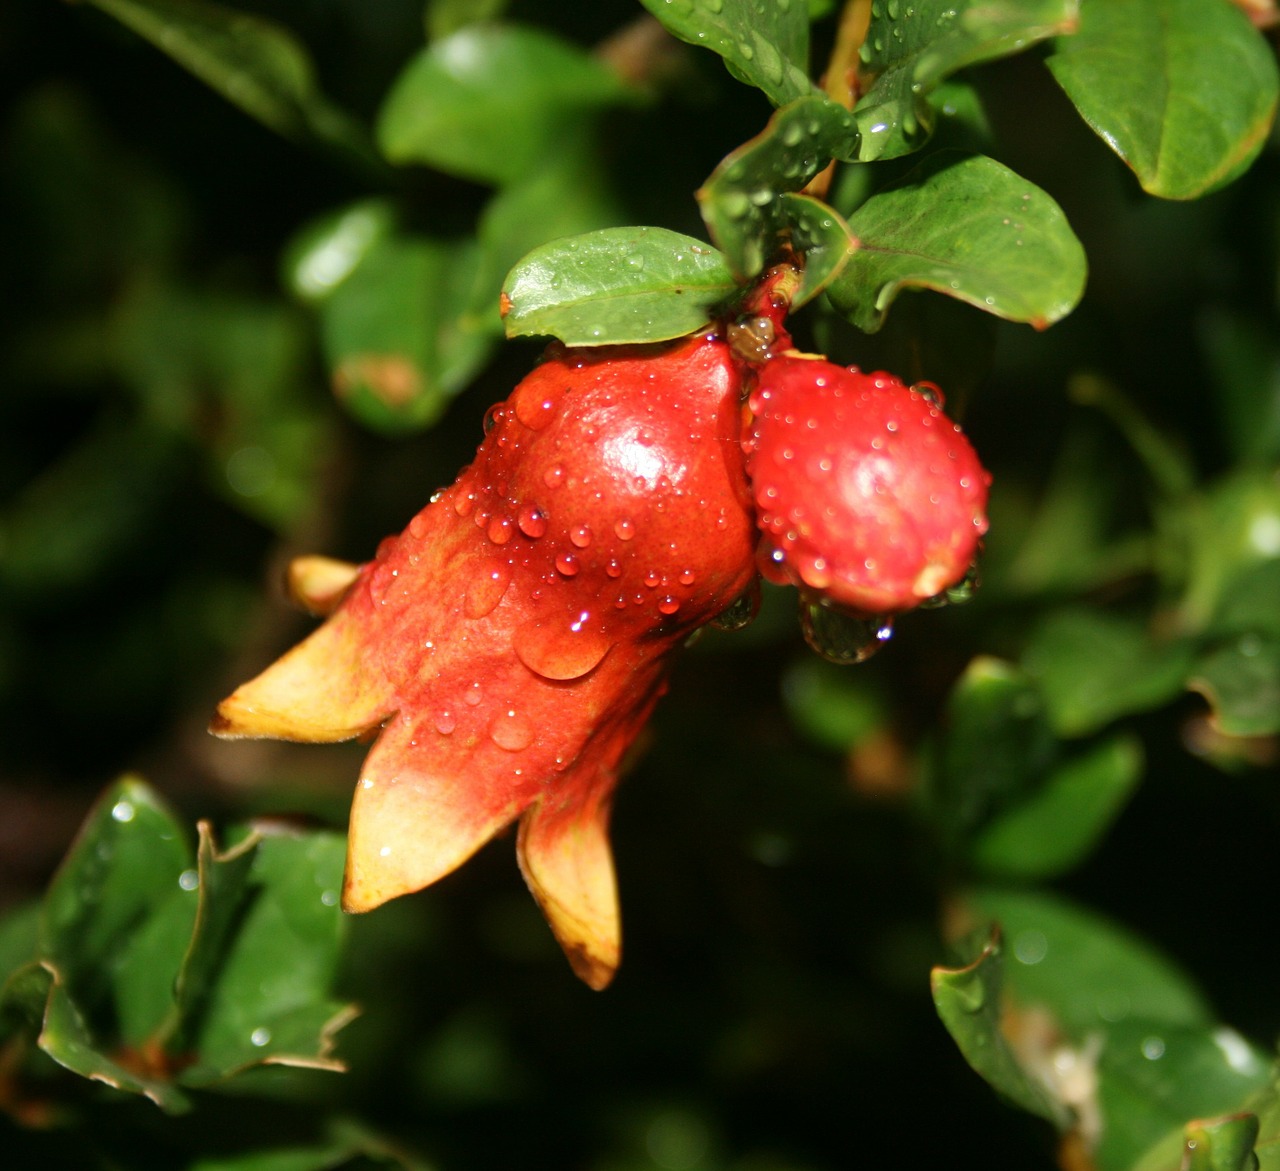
(910, 48)
(741, 202)
(969, 228)
(764, 43)
(619, 285)
(1184, 91)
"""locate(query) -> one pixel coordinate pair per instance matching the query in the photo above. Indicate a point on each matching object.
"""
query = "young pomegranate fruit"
(508, 647)
(869, 498)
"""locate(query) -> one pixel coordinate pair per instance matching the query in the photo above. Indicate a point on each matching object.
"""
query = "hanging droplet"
(741, 612)
(842, 638)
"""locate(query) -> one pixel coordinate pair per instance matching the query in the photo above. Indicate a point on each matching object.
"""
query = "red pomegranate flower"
(869, 497)
(508, 647)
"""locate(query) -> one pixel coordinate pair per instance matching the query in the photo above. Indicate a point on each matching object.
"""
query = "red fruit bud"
(868, 496)
(511, 643)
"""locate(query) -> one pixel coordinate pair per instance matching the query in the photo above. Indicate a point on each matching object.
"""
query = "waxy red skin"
(510, 644)
(868, 496)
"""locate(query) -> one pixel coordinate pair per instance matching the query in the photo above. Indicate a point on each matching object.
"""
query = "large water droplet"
(842, 638)
(625, 527)
(500, 530)
(567, 564)
(553, 477)
(445, 722)
(562, 649)
(580, 535)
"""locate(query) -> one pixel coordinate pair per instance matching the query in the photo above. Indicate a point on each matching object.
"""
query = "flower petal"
(565, 858)
(416, 816)
(321, 691)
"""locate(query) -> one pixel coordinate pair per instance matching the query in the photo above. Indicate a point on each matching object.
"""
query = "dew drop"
(123, 811)
(580, 535)
(741, 612)
(553, 477)
(485, 590)
(493, 416)
(260, 1037)
(535, 411)
(669, 605)
(652, 578)
(687, 577)
(500, 530)
(625, 528)
(511, 731)
(567, 564)
(561, 650)
(614, 568)
(445, 721)
(531, 521)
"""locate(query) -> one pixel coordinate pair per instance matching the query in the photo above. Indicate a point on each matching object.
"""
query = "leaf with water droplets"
(741, 201)
(616, 286)
(764, 43)
(1184, 91)
(1241, 680)
(492, 100)
(277, 928)
(967, 1000)
(911, 47)
(969, 228)
(254, 63)
(822, 237)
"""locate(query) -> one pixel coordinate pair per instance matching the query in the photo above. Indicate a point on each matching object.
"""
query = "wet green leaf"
(1094, 667)
(1222, 1145)
(968, 1001)
(491, 101)
(254, 63)
(1184, 91)
(967, 227)
(911, 47)
(1247, 604)
(1087, 971)
(764, 43)
(619, 285)
(822, 238)
(122, 869)
(270, 1001)
(995, 747)
(1060, 823)
(741, 202)
(1241, 681)
(1154, 1078)
(19, 937)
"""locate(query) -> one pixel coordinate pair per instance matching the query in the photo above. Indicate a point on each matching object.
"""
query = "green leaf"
(1087, 971)
(996, 745)
(398, 337)
(1056, 828)
(254, 63)
(491, 101)
(822, 238)
(740, 201)
(270, 1000)
(123, 867)
(1184, 91)
(967, 227)
(764, 43)
(1094, 667)
(19, 937)
(1154, 1077)
(568, 196)
(1223, 1145)
(619, 285)
(911, 47)
(1241, 681)
(968, 1002)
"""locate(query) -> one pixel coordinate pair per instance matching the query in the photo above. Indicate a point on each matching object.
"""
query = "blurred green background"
(800, 843)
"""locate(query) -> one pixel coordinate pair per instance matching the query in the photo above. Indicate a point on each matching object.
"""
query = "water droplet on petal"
(510, 730)
(669, 605)
(625, 528)
(485, 590)
(561, 650)
(567, 564)
(741, 612)
(445, 721)
(500, 530)
(553, 477)
(531, 521)
(580, 535)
